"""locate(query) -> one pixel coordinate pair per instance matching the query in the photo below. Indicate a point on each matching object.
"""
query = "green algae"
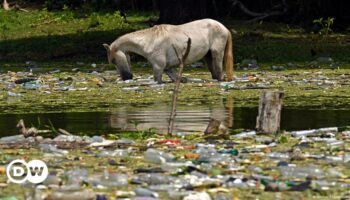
(88, 96)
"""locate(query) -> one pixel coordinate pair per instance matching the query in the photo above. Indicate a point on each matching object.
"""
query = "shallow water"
(189, 118)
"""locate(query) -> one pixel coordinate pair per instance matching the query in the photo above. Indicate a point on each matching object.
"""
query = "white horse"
(209, 39)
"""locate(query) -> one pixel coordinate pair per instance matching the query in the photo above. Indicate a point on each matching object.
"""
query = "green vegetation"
(87, 96)
(69, 35)
(65, 35)
(325, 25)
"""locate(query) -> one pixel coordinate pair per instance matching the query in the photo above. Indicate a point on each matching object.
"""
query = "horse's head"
(119, 59)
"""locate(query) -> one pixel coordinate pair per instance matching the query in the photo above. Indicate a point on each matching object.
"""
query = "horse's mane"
(159, 30)
(153, 32)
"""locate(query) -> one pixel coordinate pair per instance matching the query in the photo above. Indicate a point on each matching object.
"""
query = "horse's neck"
(132, 44)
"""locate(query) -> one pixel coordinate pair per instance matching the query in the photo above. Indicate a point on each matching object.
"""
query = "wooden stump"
(215, 127)
(270, 106)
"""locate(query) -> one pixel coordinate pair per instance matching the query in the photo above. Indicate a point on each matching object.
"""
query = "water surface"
(189, 118)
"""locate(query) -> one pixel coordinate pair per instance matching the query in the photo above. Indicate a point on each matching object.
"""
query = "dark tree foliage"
(180, 11)
(288, 11)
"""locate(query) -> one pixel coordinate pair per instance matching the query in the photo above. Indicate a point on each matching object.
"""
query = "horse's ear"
(107, 47)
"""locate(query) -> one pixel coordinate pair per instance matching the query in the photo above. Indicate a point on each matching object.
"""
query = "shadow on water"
(189, 118)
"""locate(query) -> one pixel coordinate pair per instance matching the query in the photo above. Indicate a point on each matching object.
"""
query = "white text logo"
(19, 171)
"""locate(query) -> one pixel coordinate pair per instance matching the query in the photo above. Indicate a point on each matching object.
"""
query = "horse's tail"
(228, 58)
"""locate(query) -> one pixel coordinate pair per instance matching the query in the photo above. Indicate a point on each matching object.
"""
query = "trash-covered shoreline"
(85, 90)
(307, 164)
(301, 164)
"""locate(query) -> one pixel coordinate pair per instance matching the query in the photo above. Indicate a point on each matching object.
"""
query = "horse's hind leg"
(209, 60)
(217, 60)
(172, 74)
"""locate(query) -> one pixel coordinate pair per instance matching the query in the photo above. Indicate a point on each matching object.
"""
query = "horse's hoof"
(126, 76)
(184, 80)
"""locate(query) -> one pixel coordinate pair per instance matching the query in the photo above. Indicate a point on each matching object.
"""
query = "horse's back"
(204, 25)
(206, 35)
(205, 29)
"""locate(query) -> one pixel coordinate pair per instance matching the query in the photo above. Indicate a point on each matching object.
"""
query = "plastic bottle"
(301, 172)
(201, 145)
(223, 197)
(278, 156)
(237, 183)
(334, 158)
(136, 88)
(143, 192)
(81, 195)
(254, 168)
(303, 133)
(227, 85)
(157, 157)
(97, 138)
(197, 196)
(336, 143)
(124, 141)
(77, 175)
(173, 166)
(195, 80)
(113, 180)
(332, 172)
(233, 152)
(162, 187)
(120, 153)
(155, 179)
(173, 194)
(49, 148)
(13, 94)
(313, 131)
(326, 183)
(68, 138)
(15, 138)
(245, 134)
(32, 85)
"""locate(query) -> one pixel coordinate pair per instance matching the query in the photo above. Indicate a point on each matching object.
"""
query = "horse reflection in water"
(189, 118)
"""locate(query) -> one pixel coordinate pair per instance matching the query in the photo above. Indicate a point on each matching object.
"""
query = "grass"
(57, 36)
(72, 35)
(281, 43)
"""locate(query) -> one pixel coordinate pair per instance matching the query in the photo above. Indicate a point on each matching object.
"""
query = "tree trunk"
(133, 7)
(270, 106)
(182, 61)
(5, 5)
(154, 5)
(181, 11)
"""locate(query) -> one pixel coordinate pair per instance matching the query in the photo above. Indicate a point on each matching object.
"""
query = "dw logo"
(35, 171)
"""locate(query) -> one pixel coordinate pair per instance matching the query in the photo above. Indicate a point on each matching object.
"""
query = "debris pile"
(247, 164)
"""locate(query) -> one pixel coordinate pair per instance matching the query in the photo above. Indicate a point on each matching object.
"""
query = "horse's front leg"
(172, 75)
(158, 63)
(158, 72)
